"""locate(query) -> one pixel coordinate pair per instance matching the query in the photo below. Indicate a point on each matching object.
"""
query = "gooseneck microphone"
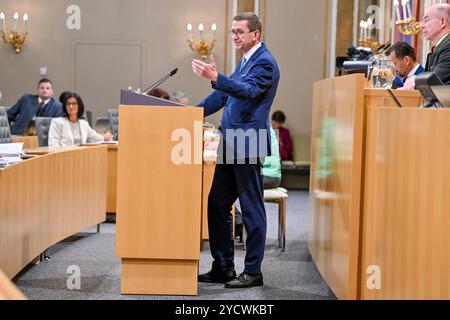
(161, 81)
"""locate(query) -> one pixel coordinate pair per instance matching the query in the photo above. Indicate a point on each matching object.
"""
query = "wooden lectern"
(159, 201)
(379, 180)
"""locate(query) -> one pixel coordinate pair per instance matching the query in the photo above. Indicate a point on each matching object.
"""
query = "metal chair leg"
(44, 256)
(283, 224)
(280, 224)
(98, 228)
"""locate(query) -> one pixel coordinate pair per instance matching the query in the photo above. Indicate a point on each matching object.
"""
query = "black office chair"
(42, 127)
(113, 116)
(5, 132)
(88, 114)
(101, 125)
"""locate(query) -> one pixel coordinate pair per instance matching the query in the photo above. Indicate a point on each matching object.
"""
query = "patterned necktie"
(40, 109)
(244, 61)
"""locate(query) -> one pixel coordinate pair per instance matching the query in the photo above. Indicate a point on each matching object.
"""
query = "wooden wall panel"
(337, 148)
(406, 207)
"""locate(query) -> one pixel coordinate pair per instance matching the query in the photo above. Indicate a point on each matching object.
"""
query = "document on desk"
(10, 152)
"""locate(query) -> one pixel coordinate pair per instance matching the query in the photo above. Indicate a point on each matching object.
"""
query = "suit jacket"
(60, 133)
(23, 112)
(247, 96)
(438, 62)
(399, 83)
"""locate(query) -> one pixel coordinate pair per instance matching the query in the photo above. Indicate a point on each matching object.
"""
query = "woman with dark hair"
(71, 130)
(286, 148)
(63, 96)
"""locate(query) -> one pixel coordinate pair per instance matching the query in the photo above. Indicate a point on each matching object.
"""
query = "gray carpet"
(289, 275)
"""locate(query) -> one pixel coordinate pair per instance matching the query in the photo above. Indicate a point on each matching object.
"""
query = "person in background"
(159, 93)
(286, 148)
(180, 97)
(31, 106)
(272, 178)
(403, 55)
(272, 164)
(63, 95)
(71, 130)
(436, 29)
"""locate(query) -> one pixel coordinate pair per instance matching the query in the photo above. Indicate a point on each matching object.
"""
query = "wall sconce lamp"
(13, 36)
(202, 47)
(406, 23)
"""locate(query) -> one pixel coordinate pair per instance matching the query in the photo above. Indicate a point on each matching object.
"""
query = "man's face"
(432, 25)
(276, 124)
(244, 39)
(402, 66)
(45, 90)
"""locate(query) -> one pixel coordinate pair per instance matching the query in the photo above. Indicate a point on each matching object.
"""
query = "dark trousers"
(233, 181)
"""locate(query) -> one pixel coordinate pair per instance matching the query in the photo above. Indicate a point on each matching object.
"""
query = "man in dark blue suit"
(31, 106)
(247, 96)
(403, 55)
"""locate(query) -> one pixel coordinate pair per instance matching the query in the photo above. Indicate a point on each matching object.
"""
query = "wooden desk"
(47, 199)
(8, 291)
(29, 142)
(111, 176)
(379, 176)
(406, 213)
(111, 186)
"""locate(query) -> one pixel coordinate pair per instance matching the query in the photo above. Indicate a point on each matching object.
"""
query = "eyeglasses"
(239, 33)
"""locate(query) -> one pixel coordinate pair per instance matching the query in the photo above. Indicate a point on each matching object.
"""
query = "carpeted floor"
(289, 275)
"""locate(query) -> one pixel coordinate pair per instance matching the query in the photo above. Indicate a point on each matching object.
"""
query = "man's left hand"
(205, 70)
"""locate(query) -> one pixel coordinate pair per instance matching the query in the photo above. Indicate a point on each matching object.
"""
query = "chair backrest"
(89, 117)
(42, 128)
(302, 149)
(5, 132)
(113, 115)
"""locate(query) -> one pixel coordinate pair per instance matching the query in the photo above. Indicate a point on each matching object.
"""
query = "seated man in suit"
(436, 29)
(31, 106)
(403, 55)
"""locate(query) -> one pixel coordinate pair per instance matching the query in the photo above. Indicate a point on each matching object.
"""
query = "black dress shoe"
(215, 276)
(245, 280)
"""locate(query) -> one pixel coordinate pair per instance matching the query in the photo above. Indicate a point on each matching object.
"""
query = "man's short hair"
(44, 80)
(402, 49)
(254, 23)
(279, 116)
(444, 9)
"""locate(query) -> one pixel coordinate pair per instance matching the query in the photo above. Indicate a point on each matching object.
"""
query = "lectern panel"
(159, 182)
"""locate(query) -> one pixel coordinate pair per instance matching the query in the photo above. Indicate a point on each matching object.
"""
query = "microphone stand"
(159, 82)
